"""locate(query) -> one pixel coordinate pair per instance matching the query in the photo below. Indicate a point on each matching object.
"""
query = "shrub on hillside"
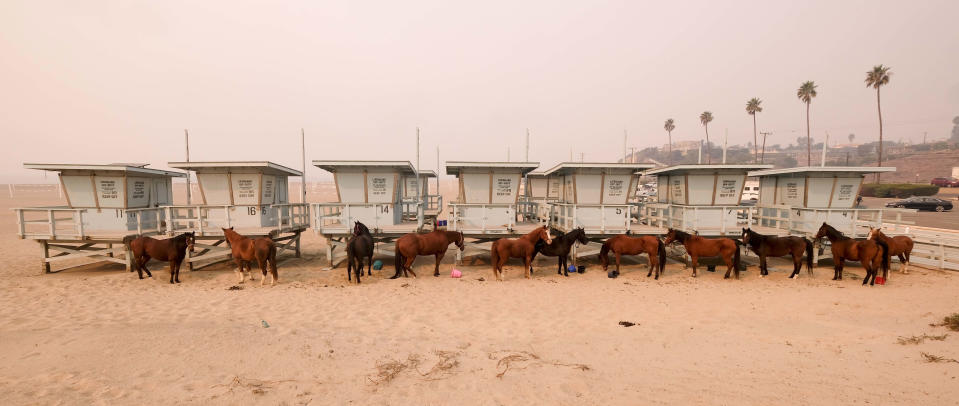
(899, 190)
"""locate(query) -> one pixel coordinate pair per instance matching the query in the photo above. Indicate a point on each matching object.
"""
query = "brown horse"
(170, 249)
(697, 246)
(623, 244)
(522, 247)
(411, 245)
(872, 254)
(773, 246)
(899, 245)
(245, 250)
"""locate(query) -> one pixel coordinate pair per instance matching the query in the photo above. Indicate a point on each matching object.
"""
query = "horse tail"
(604, 254)
(809, 254)
(271, 259)
(736, 255)
(662, 255)
(128, 240)
(399, 262)
(493, 254)
(884, 251)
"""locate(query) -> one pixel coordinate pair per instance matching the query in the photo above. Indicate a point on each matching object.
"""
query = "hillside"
(927, 165)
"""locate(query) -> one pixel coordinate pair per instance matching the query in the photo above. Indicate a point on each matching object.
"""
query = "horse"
(697, 246)
(872, 254)
(899, 245)
(560, 248)
(773, 246)
(623, 244)
(171, 249)
(245, 250)
(522, 247)
(411, 245)
(360, 246)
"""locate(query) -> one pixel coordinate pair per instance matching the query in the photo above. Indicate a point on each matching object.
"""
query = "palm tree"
(705, 118)
(670, 126)
(877, 77)
(851, 137)
(753, 107)
(806, 93)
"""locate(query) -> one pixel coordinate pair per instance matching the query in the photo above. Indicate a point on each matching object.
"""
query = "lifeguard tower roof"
(831, 170)
(86, 169)
(332, 166)
(564, 168)
(718, 168)
(265, 167)
(454, 167)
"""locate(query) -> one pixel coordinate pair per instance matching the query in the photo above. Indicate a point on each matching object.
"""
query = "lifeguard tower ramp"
(105, 203)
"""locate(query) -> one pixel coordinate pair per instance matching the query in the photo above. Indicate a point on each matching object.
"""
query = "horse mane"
(184, 235)
(363, 228)
(834, 233)
(682, 236)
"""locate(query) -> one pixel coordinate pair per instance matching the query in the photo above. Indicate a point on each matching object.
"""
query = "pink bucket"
(456, 274)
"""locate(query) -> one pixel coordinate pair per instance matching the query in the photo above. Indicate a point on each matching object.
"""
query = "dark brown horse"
(623, 244)
(697, 246)
(171, 249)
(522, 247)
(899, 245)
(411, 245)
(560, 248)
(360, 246)
(772, 246)
(245, 250)
(871, 254)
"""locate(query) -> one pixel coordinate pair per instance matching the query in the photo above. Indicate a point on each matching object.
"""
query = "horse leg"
(618, 257)
(262, 263)
(146, 258)
(409, 266)
(239, 269)
(528, 261)
(904, 263)
(172, 270)
(694, 260)
(729, 266)
(839, 264)
(439, 257)
(177, 277)
(369, 266)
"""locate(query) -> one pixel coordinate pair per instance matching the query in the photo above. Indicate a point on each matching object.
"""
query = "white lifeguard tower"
(487, 203)
(380, 194)
(799, 200)
(702, 199)
(105, 203)
(538, 192)
(250, 196)
(597, 197)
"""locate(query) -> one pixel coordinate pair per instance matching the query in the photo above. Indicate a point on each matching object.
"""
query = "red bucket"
(880, 280)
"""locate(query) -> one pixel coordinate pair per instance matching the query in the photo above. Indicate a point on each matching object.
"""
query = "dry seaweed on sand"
(256, 386)
(389, 369)
(919, 339)
(507, 362)
(627, 323)
(235, 287)
(446, 362)
(937, 358)
(951, 322)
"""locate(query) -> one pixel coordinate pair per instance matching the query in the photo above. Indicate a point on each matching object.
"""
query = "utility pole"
(419, 190)
(527, 146)
(303, 164)
(186, 135)
(632, 154)
(762, 158)
(625, 136)
(582, 156)
(924, 137)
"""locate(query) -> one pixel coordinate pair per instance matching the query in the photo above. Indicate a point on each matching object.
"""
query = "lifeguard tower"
(799, 200)
(380, 194)
(539, 191)
(702, 199)
(105, 203)
(486, 206)
(250, 196)
(597, 197)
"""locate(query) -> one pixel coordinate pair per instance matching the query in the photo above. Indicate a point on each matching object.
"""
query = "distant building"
(683, 146)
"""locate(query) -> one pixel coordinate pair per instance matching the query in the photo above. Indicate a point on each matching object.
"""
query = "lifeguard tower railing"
(478, 218)
(338, 218)
(207, 220)
(65, 223)
(594, 218)
(704, 220)
(433, 207)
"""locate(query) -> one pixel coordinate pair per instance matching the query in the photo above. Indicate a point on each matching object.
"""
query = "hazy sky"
(105, 81)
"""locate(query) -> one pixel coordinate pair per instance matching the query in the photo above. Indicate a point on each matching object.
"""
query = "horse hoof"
(141, 278)
(611, 275)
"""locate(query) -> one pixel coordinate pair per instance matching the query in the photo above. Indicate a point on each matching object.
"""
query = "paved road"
(949, 219)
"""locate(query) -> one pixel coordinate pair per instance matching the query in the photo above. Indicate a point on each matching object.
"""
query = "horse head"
(874, 233)
(360, 229)
(544, 234)
(823, 231)
(190, 240)
(746, 233)
(581, 236)
(460, 241)
(670, 236)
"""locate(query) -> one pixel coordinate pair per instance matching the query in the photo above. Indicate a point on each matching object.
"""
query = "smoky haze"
(100, 82)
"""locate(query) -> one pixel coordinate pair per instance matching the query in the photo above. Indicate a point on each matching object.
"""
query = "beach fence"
(30, 190)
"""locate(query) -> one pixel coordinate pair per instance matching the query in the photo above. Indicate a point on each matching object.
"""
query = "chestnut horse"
(411, 245)
(899, 245)
(623, 244)
(245, 250)
(772, 246)
(560, 248)
(872, 254)
(697, 246)
(170, 249)
(522, 247)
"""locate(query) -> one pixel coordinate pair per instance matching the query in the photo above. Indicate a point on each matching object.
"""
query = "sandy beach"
(98, 335)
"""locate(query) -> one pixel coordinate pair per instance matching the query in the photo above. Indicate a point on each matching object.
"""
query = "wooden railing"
(567, 216)
(459, 222)
(64, 223)
(208, 219)
(339, 217)
(724, 220)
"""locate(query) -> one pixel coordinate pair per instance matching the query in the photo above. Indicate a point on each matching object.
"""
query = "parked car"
(945, 182)
(922, 203)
